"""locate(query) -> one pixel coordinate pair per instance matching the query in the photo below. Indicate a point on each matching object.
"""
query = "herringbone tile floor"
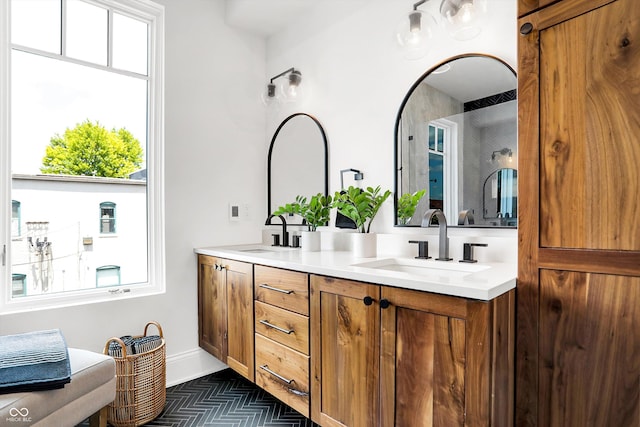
(225, 399)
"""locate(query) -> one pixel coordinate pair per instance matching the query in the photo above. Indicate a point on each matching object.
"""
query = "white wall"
(358, 79)
(215, 152)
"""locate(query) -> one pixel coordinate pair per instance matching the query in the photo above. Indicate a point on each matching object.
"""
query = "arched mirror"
(456, 127)
(297, 163)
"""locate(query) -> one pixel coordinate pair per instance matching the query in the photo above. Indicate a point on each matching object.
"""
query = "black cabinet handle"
(384, 303)
(367, 300)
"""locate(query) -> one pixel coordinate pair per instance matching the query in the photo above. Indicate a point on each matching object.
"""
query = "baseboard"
(190, 365)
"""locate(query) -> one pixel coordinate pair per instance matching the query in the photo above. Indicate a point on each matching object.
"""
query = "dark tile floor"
(224, 399)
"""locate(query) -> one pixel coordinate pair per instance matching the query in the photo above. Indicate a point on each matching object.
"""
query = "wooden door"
(423, 360)
(240, 337)
(212, 312)
(579, 219)
(345, 345)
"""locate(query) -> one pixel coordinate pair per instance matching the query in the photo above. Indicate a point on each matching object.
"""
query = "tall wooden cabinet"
(225, 312)
(384, 356)
(578, 312)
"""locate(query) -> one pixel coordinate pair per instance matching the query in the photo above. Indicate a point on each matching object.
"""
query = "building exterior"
(75, 232)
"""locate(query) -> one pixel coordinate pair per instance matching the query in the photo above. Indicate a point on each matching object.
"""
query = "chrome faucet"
(443, 244)
(285, 233)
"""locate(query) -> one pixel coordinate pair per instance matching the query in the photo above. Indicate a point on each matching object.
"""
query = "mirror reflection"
(457, 126)
(297, 162)
(500, 197)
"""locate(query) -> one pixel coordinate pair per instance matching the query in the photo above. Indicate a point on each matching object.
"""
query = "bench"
(92, 388)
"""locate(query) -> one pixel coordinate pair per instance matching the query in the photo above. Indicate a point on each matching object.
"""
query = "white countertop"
(483, 281)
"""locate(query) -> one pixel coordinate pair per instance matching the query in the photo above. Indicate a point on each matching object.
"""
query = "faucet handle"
(276, 239)
(423, 249)
(467, 251)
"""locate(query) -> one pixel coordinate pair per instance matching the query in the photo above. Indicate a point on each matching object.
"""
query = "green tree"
(91, 150)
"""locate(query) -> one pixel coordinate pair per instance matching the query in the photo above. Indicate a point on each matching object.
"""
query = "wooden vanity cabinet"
(578, 341)
(225, 312)
(384, 356)
(282, 335)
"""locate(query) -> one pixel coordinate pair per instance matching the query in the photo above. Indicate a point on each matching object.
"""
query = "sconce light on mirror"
(502, 152)
(461, 19)
(289, 91)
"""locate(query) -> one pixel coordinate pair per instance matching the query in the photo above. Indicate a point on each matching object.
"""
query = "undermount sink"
(257, 250)
(423, 267)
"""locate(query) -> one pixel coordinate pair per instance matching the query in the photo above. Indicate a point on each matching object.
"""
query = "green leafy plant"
(90, 149)
(407, 204)
(315, 212)
(360, 205)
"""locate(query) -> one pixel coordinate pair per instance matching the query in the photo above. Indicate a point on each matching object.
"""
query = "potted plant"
(314, 212)
(407, 204)
(361, 206)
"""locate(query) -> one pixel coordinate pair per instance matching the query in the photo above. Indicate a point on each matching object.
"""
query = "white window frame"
(156, 276)
(450, 162)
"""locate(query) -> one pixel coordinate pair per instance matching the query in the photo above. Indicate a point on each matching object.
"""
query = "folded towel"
(33, 361)
(134, 345)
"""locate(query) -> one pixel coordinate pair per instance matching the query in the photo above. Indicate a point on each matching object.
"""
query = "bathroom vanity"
(364, 342)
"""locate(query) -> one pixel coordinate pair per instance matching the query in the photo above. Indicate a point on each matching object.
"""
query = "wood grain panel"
(589, 122)
(414, 368)
(298, 338)
(528, 202)
(590, 349)
(527, 6)
(345, 350)
(289, 364)
(240, 345)
(478, 373)
(502, 359)
(291, 281)
(450, 350)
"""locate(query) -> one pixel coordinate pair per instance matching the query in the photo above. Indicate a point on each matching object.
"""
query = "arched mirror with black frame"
(455, 127)
(297, 163)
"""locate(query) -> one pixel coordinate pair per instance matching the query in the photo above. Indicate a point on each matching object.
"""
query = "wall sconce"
(415, 32)
(289, 91)
(461, 19)
(357, 175)
(503, 152)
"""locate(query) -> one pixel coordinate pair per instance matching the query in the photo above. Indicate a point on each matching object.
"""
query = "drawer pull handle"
(297, 392)
(271, 288)
(277, 328)
(278, 376)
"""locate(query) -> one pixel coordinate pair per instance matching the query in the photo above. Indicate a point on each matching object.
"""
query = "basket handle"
(157, 325)
(119, 341)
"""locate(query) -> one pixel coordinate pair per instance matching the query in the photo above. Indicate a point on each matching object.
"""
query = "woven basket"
(140, 384)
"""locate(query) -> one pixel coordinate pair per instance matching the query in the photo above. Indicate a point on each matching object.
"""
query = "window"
(107, 218)
(443, 182)
(15, 219)
(82, 110)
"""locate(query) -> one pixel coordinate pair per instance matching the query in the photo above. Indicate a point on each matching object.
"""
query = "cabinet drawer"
(282, 288)
(284, 373)
(283, 326)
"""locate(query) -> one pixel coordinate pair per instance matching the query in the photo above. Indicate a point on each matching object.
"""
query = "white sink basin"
(424, 268)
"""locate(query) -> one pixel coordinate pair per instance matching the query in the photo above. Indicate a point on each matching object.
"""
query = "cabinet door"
(240, 338)
(579, 221)
(423, 360)
(212, 313)
(344, 353)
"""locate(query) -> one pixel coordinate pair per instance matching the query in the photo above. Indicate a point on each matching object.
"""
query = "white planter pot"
(310, 241)
(364, 245)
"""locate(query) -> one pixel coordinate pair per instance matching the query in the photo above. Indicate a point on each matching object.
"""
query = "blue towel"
(33, 361)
